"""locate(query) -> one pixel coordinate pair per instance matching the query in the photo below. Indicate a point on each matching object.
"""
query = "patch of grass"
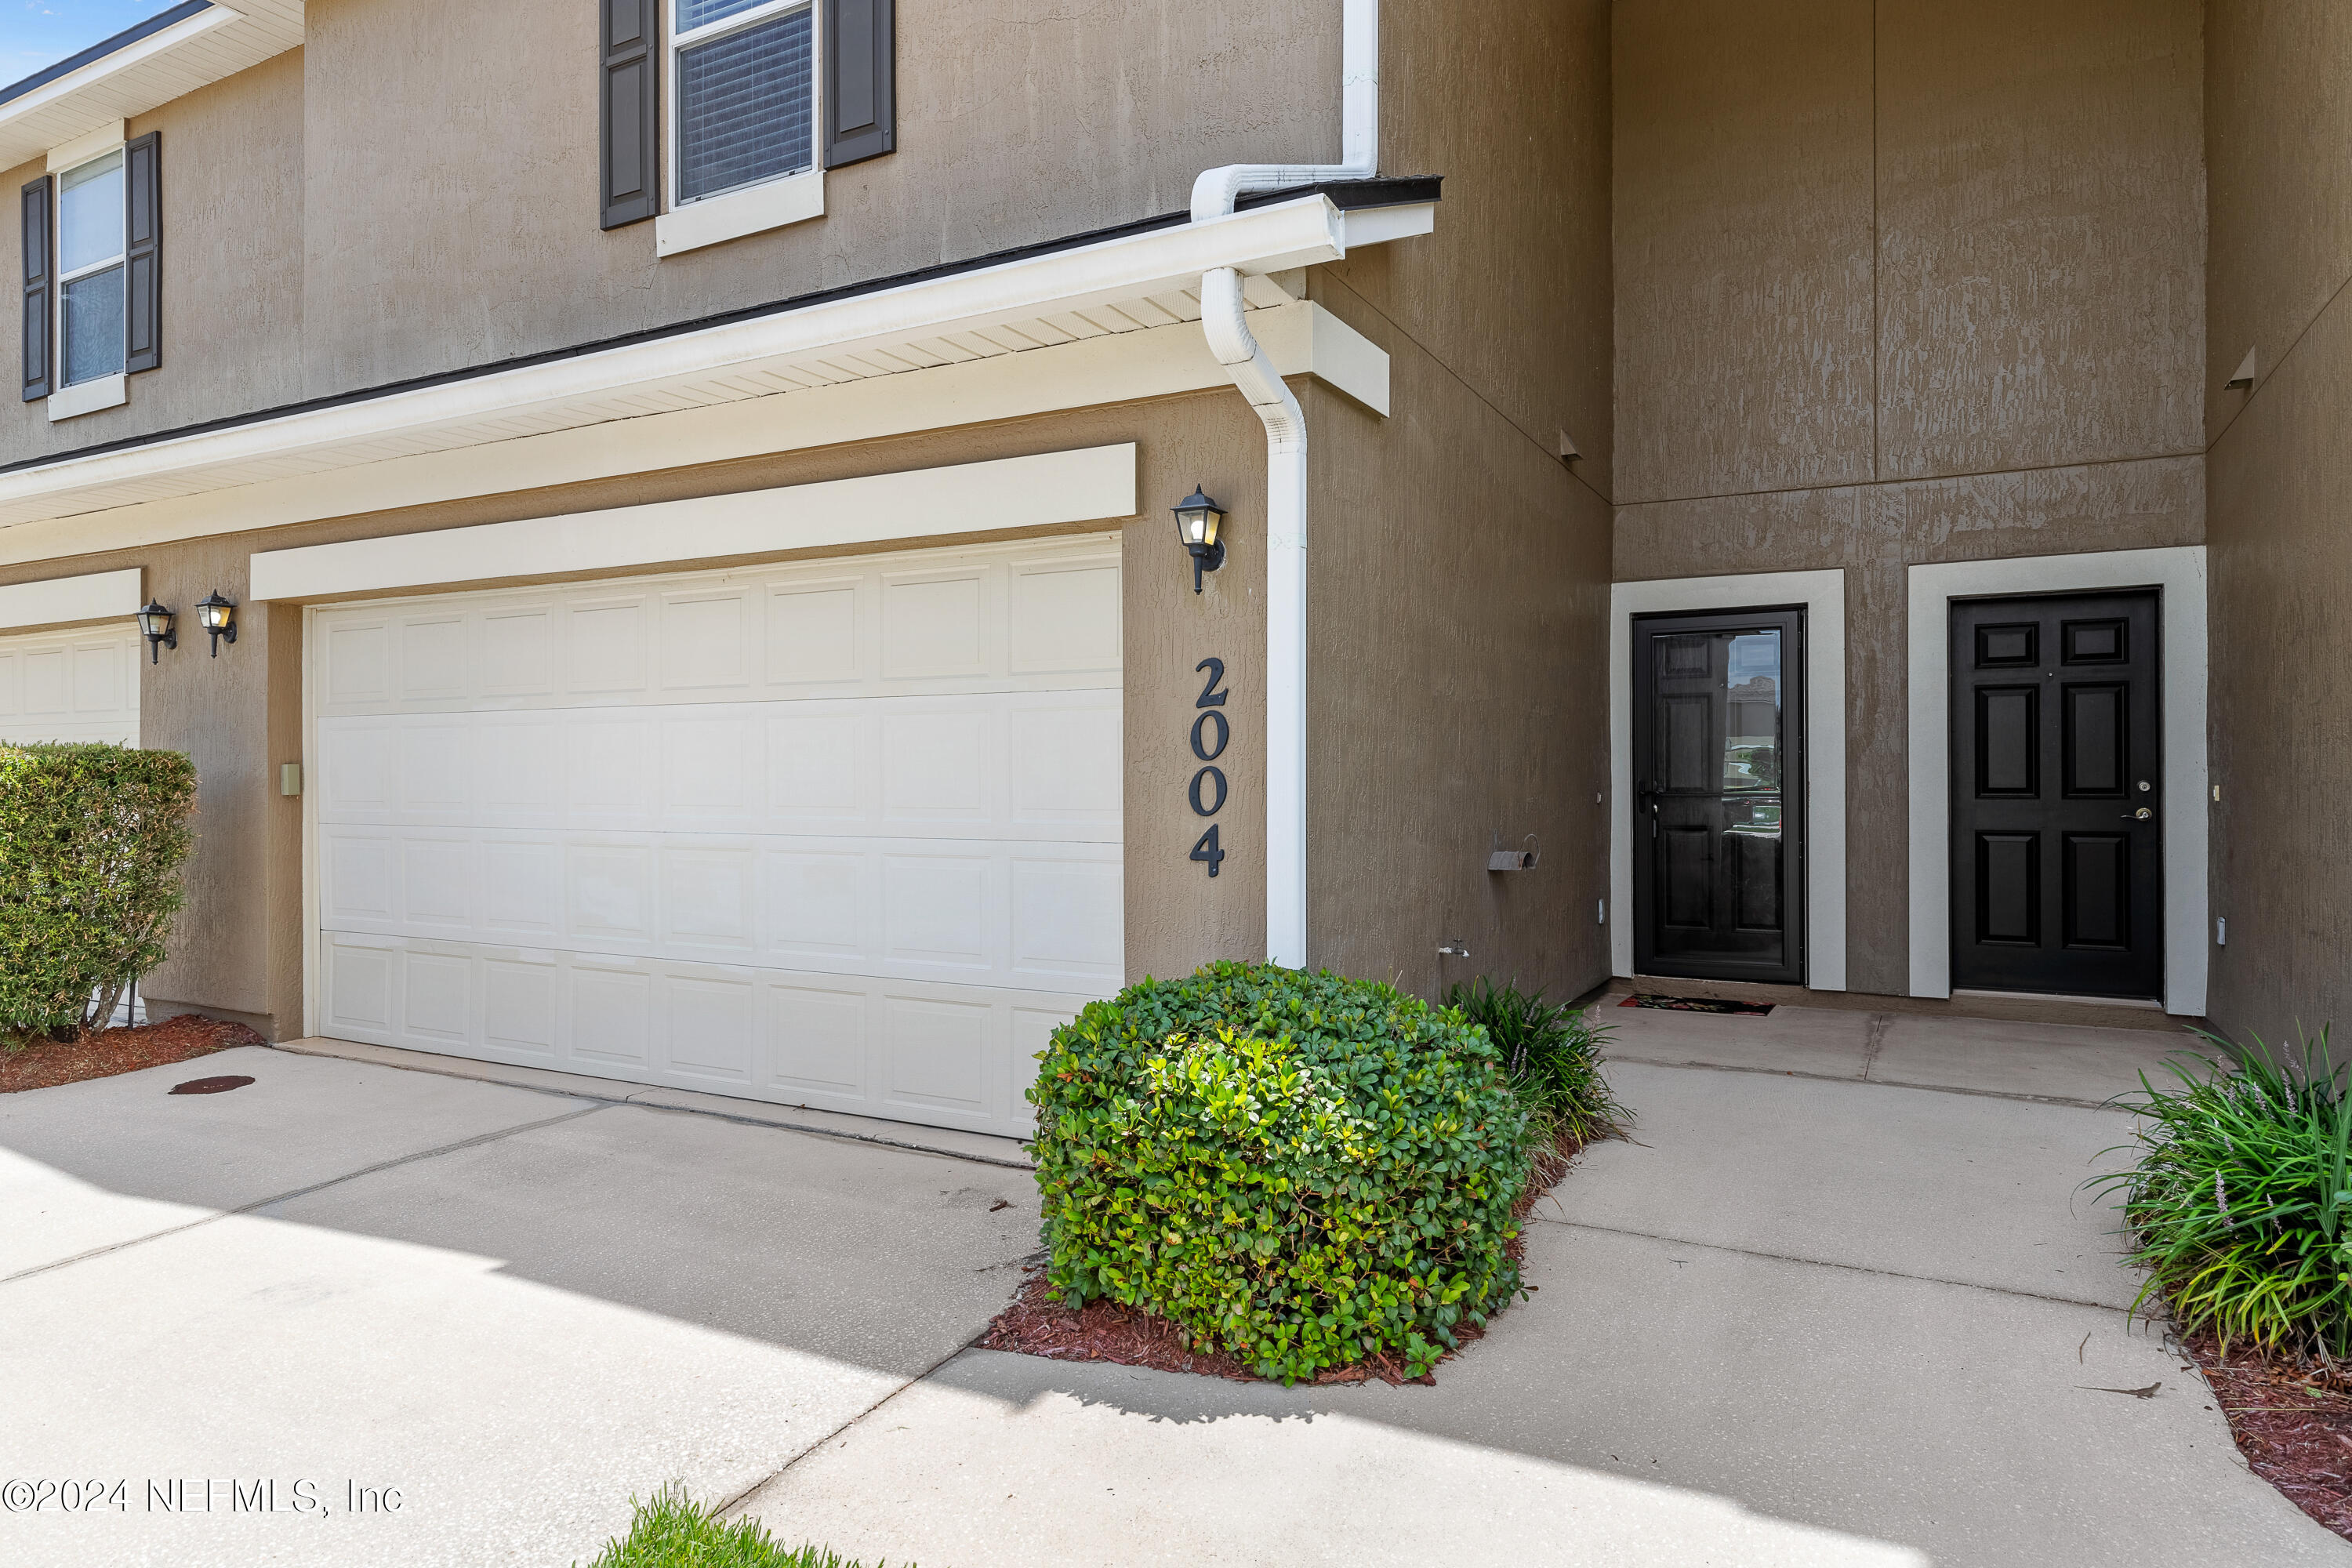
(672, 1531)
(2239, 1200)
(1552, 1054)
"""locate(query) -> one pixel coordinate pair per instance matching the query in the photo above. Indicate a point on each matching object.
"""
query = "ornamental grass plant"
(1301, 1170)
(1551, 1052)
(672, 1531)
(92, 842)
(2239, 1201)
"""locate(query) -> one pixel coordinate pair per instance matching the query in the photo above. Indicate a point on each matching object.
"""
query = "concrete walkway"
(1842, 1302)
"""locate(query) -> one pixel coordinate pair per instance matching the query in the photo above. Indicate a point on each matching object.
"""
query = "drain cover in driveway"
(210, 1085)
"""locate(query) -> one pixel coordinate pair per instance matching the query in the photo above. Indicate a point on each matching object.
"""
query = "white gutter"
(1254, 372)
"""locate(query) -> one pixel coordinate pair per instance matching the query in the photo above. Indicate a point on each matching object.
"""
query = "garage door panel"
(70, 686)
(948, 1054)
(1065, 921)
(937, 1052)
(933, 626)
(817, 905)
(937, 767)
(519, 652)
(710, 894)
(608, 891)
(707, 642)
(606, 648)
(521, 878)
(434, 657)
(813, 633)
(437, 883)
(1065, 619)
(711, 1029)
(519, 1012)
(844, 834)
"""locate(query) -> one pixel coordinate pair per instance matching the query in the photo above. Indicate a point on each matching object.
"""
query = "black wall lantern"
(155, 625)
(218, 617)
(1198, 520)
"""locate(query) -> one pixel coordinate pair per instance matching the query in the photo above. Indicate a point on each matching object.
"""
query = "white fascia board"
(1086, 485)
(1303, 339)
(1378, 225)
(53, 103)
(1301, 233)
(61, 601)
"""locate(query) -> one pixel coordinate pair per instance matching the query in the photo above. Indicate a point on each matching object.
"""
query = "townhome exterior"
(708, 610)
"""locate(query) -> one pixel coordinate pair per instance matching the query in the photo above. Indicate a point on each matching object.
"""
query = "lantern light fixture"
(1198, 522)
(155, 625)
(219, 617)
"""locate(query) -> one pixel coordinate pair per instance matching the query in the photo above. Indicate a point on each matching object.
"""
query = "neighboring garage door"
(70, 686)
(841, 834)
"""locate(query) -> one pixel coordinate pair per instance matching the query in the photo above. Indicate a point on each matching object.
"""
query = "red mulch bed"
(1036, 1324)
(2293, 1426)
(102, 1053)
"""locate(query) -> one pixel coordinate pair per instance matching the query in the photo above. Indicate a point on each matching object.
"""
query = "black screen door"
(1718, 795)
(2057, 830)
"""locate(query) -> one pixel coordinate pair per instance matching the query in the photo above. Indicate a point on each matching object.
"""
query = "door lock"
(2142, 814)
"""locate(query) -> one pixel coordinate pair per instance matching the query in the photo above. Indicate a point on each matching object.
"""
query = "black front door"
(2057, 830)
(1718, 796)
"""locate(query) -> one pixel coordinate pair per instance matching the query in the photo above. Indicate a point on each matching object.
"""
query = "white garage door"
(843, 835)
(71, 686)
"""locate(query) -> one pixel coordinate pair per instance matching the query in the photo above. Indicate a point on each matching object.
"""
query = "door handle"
(2142, 814)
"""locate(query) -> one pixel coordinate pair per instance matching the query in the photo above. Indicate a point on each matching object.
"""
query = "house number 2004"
(1210, 734)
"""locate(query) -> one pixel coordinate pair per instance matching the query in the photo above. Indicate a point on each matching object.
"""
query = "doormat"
(1696, 1004)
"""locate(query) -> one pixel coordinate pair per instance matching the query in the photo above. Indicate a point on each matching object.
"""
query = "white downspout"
(1285, 474)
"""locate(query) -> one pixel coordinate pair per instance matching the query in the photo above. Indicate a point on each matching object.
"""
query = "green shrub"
(1552, 1053)
(673, 1532)
(2239, 1201)
(91, 838)
(1304, 1170)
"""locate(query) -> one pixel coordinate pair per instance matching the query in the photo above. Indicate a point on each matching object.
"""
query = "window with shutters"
(745, 93)
(756, 99)
(92, 234)
(92, 251)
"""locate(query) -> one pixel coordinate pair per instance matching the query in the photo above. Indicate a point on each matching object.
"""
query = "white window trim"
(2178, 574)
(87, 396)
(769, 204)
(1823, 595)
(104, 390)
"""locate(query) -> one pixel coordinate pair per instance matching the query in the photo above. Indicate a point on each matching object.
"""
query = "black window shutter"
(861, 107)
(39, 287)
(629, 96)
(142, 233)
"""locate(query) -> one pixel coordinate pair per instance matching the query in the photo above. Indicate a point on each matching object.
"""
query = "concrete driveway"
(512, 1307)
(1840, 1303)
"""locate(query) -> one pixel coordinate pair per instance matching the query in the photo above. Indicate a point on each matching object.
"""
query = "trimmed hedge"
(1304, 1170)
(92, 838)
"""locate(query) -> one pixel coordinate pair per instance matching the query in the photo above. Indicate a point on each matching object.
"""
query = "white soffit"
(1085, 485)
(62, 601)
(1112, 289)
(145, 73)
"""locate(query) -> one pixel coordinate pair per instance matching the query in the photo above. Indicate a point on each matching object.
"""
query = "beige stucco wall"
(438, 239)
(237, 949)
(231, 307)
(2278, 100)
(1901, 282)
(414, 190)
(1457, 570)
(1458, 595)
